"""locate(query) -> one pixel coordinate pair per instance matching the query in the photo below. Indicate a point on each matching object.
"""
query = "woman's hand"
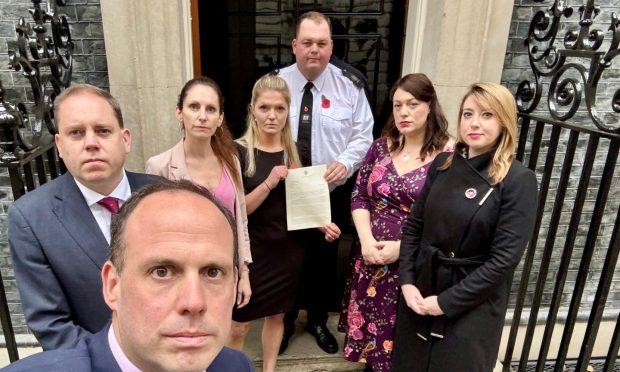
(370, 251)
(331, 231)
(244, 291)
(277, 174)
(430, 306)
(413, 298)
(389, 250)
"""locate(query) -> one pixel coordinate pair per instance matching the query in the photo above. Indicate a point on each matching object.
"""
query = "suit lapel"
(75, 216)
(178, 168)
(101, 356)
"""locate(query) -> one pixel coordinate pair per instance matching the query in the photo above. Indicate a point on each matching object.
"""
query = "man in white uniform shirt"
(332, 122)
(59, 234)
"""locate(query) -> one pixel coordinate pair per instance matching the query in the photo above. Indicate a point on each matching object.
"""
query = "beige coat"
(171, 165)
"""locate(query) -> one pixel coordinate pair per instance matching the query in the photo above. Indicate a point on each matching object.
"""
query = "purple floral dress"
(369, 316)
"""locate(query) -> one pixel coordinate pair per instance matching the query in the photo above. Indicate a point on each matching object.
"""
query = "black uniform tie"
(304, 130)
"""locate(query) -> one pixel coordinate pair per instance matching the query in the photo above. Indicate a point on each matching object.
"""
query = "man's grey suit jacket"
(58, 251)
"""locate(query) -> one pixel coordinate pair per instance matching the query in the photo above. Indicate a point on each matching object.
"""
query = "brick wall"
(516, 69)
(89, 67)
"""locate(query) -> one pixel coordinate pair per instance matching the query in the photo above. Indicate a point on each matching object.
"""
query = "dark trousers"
(320, 290)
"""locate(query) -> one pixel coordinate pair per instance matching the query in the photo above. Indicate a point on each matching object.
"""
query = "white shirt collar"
(121, 359)
(318, 82)
(122, 191)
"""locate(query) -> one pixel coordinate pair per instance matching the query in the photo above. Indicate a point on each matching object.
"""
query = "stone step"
(303, 354)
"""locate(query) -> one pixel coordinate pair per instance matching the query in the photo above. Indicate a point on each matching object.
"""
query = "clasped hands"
(421, 305)
(380, 253)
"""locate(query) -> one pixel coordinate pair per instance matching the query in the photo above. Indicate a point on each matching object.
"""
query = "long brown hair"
(222, 142)
(498, 100)
(436, 134)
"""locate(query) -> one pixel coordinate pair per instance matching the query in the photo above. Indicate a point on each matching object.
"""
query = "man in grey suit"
(59, 234)
(171, 284)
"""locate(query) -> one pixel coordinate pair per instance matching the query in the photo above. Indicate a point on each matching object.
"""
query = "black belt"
(444, 266)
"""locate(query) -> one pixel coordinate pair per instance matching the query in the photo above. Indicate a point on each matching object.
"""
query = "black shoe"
(288, 333)
(324, 338)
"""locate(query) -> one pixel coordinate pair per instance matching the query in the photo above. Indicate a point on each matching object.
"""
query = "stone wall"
(516, 69)
(89, 67)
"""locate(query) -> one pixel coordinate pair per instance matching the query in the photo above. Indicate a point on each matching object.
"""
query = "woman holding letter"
(389, 182)
(267, 151)
(463, 240)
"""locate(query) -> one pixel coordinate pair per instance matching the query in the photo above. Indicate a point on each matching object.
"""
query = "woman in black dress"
(462, 242)
(266, 151)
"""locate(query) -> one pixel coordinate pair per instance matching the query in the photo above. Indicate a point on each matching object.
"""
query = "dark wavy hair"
(222, 143)
(436, 134)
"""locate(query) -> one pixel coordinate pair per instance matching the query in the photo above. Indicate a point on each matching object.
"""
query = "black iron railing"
(573, 67)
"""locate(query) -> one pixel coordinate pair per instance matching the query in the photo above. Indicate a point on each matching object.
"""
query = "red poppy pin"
(305, 108)
(324, 102)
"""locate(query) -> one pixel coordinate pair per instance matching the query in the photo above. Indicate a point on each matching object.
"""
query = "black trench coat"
(462, 242)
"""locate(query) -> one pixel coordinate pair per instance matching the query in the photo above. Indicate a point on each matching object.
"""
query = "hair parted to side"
(498, 100)
(251, 137)
(315, 17)
(222, 142)
(116, 253)
(436, 132)
(87, 88)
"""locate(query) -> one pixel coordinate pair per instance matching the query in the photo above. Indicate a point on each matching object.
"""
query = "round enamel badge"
(470, 193)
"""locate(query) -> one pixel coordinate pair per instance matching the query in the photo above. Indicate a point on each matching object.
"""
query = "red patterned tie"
(109, 203)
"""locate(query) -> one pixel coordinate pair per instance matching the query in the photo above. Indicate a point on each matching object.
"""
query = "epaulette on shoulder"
(357, 81)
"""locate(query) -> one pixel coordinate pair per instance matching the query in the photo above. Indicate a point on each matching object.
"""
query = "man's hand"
(336, 172)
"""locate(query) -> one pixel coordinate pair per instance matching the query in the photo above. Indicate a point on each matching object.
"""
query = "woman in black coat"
(462, 242)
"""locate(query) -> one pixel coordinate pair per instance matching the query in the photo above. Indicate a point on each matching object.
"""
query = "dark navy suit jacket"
(93, 354)
(58, 251)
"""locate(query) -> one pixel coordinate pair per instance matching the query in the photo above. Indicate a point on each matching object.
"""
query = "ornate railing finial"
(573, 71)
(46, 61)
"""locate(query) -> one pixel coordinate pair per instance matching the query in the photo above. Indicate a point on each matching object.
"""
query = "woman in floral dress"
(388, 183)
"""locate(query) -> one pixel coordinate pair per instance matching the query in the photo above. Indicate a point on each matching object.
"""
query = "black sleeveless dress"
(276, 253)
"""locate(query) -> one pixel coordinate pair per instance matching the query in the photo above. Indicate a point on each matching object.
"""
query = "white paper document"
(307, 198)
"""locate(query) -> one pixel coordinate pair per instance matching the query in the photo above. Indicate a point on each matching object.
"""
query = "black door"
(241, 40)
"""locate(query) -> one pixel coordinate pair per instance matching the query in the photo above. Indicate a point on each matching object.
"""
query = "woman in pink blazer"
(207, 156)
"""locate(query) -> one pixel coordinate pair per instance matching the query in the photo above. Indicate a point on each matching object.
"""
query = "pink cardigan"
(171, 164)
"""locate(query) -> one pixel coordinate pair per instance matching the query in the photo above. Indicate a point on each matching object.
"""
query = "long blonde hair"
(498, 100)
(250, 138)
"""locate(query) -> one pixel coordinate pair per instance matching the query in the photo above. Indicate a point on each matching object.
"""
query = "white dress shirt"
(342, 128)
(122, 192)
(121, 359)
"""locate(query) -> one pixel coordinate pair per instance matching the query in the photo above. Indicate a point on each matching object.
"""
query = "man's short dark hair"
(119, 220)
